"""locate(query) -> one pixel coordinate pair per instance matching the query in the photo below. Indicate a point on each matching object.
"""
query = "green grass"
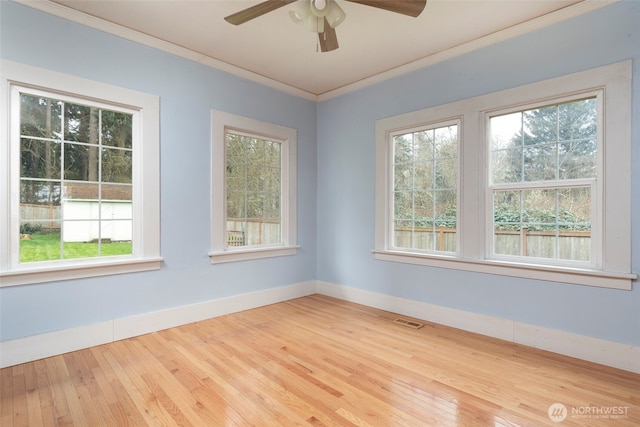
(46, 247)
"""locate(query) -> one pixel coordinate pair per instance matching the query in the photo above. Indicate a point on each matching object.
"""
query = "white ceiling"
(374, 44)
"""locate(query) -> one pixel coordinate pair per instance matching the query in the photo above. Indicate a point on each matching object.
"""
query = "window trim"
(596, 184)
(146, 255)
(615, 271)
(221, 122)
(455, 121)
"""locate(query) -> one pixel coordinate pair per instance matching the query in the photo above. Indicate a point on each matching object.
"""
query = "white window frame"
(612, 265)
(221, 123)
(146, 188)
(425, 126)
(596, 185)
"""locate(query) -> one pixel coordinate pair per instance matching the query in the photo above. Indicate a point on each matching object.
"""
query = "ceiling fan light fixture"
(336, 15)
(300, 11)
(312, 14)
(315, 24)
(320, 8)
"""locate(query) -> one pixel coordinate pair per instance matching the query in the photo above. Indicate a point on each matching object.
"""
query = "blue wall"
(346, 178)
(336, 177)
(188, 91)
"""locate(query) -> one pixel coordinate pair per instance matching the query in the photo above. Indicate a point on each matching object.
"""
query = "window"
(543, 164)
(75, 179)
(74, 191)
(425, 175)
(543, 182)
(253, 189)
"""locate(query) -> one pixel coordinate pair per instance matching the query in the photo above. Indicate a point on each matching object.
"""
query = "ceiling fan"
(322, 16)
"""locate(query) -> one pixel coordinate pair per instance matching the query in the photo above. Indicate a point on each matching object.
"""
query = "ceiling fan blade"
(328, 39)
(405, 7)
(255, 11)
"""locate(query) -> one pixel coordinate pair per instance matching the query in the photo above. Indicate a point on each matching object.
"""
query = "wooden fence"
(572, 245)
(254, 232)
(48, 216)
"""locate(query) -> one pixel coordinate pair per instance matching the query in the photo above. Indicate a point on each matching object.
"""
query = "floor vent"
(408, 323)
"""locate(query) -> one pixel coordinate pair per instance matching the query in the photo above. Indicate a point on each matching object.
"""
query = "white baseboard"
(596, 350)
(610, 353)
(21, 350)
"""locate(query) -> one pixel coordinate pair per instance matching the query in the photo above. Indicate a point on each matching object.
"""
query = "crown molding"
(82, 18)
(549, 19)
(90, 21)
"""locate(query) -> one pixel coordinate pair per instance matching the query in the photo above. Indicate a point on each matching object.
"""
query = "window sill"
(252, 253)
(32, 275)
(537, 272)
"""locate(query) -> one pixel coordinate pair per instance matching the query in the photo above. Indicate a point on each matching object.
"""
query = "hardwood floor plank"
(7, 394)
(34, 405)
(58, 378)
(314, 361)
(20, 415)
(45, 394)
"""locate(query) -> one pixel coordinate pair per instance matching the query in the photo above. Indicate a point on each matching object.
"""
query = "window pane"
(254, 203)
(122, 192)
(506, 165)
(403, 234)
(403, 148)
(425, 189)
(272, 206)
(403, 176)
(80, 239)
(543, 223)
(114, 210)
(236, 205)
(39, 193)
(445, 205)
(81, 123)
(40, 159)
(446, 173)
(423, 205)
(578, 120)
(423, 177)
(272, 179)
(81, 191)
(40, 117)
(272, 154)
(403, 204)
(115, 237)
(39, 241)
(507, 223)
(271, 233)
(424, 146)
(557, 142)
(116, 165)
(446, 142)
(117, 129)
(539, 162)
(424, 237)
(253, 188)
(81, 209)
(577, 159)
(81, 162)
(540, 126)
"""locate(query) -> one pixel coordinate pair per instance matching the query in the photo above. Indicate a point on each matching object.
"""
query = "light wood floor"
(314, 361)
